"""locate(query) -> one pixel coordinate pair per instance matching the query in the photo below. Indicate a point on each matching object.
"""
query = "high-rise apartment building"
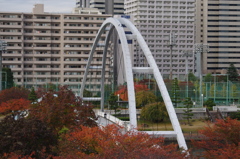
(218, 26)
(115, 7)
(49, 48)
(82, 3)
(156, 20)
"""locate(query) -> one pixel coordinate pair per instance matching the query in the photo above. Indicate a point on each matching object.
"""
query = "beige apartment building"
(49, 47)
(217, 24)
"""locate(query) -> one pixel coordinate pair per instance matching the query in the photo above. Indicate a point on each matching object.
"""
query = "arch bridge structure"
(118, 27)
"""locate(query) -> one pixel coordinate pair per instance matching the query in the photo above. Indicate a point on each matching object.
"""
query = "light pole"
(5, 79)
(200, 49)
(202, 100)
(195, 96)
(187, 54)
(118, 100)
(3, 45)
(171, 43)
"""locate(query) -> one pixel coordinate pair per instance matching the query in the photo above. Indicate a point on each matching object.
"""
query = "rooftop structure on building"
(115, 7)
(47, 47)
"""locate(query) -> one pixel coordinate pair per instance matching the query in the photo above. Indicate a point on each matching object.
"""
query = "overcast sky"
(27, 5)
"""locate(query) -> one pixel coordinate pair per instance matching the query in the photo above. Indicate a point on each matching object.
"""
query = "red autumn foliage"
(220, 140)
(123, 93)
(110, 142)
(14, 105)
(62, 109)
(13, 93)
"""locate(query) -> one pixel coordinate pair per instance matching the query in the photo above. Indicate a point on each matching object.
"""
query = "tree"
(15, 107)
(7, 77)
(220, 140)
(232, 73)
(110, 142)
(235, 115)
(113, 102)
(61, 109)
(175, 94)
(234, 90)
(144, 97)
(13, 93)
(192, 77)
(32, 96)
(154, 112)
(208, 78)
(212, 90)
(188, 112)
(123, 93)
(87, 93)
(25, 137)
(50, 87)
(224, 90)
(209, 104)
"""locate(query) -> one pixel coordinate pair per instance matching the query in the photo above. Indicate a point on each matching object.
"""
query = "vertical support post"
(172, 42)
(118, 100)
(3, 46)
(186, 54)
(227, 92)
(200, 49)
(215, 88)
(1, 50)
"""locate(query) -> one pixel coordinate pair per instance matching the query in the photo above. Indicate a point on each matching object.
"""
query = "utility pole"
(187, 54)
(171, 43)
(3, 45)
(199, 50)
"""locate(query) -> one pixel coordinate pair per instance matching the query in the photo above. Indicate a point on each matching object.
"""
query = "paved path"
(103, 121)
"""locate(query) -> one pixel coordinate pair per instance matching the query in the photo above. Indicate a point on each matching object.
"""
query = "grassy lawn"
(166, 126)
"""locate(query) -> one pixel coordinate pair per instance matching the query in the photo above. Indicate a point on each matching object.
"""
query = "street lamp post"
(118, 100)
(200, 49)
(202, 100)
(195, 96)
(172, 42)
(187, 54)
(3, 45)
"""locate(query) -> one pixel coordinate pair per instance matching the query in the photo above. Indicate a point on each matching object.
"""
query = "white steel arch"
(117, 24)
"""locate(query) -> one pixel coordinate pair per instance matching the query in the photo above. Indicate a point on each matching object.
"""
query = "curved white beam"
(127, 64)
(159, 80)
(117, 24)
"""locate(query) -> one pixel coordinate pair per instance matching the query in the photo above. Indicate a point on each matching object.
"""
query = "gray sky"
(27, 5)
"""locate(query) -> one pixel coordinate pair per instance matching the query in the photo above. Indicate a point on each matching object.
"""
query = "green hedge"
(124, 118)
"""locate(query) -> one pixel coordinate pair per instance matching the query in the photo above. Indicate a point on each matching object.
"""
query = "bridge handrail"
(113, 119)
(225, 108)
(180, 110)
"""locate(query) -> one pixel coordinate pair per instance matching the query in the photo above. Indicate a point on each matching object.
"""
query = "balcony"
(11, 26)
(10, 19)
(10, 33)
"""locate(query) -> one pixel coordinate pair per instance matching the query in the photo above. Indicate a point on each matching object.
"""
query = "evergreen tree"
(87, 93)
(208, 78)
(7, 78)
(209, 104)
(232, 73)
(113, 102)
(192, 77)
(32, 96)
(175, 94)
(188, 112)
